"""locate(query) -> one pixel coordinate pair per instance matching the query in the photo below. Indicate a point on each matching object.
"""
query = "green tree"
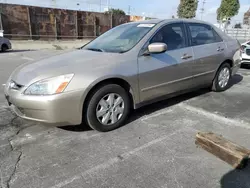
(187, 8)
(228, 9)
(115, 11)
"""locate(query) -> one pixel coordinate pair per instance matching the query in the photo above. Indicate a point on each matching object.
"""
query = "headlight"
(49, 86)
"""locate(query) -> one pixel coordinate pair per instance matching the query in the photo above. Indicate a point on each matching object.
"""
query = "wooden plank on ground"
(226, 150)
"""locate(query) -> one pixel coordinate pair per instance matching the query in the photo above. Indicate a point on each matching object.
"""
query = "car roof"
(165, 21)
(156, 21)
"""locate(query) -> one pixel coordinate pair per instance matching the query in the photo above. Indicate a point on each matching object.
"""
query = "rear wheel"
(107, 108)
(222, 78)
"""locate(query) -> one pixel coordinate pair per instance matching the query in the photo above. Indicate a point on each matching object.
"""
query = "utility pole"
(203, 8)
(1, 24)
(53, 3)
(78, 5)
(100, 5)
(108, 4)
(129, 10)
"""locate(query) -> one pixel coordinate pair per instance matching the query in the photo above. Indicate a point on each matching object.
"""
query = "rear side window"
(217, 36)
(202, 34)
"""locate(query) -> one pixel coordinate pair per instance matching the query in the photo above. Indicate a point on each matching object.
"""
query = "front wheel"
(4, 48)
(107, 108)
(222, 79)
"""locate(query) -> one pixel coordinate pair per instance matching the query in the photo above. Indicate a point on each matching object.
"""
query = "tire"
(4, 48)
(217, 86)
(105, 93)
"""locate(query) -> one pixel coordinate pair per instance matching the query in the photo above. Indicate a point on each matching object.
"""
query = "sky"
(150, 8)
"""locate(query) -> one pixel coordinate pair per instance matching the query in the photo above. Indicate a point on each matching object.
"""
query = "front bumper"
(245, 58)
(245, 61)
(61, 109)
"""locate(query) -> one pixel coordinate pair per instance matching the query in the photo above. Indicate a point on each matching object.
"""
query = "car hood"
(83, 61)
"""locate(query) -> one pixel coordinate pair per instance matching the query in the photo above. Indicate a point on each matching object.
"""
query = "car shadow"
(77, 128)
(154, 107)
(237, 78)
(236, 178)
(146, 110)
(149, 109)
(16, 51)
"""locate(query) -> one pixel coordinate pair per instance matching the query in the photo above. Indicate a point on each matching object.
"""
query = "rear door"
(208, 49)
(168, 72)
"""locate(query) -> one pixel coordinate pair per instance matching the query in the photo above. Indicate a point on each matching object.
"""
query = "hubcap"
(224, 77)
(110, 109)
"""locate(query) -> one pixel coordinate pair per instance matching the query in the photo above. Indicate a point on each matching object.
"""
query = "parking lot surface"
(155, 149)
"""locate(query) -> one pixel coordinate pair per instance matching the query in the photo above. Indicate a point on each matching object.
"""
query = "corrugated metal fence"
(29, 22)
(240, 34)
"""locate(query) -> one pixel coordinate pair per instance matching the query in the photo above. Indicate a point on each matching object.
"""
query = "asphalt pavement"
(155, 149)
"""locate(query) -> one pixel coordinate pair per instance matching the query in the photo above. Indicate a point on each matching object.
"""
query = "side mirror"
(157, 48)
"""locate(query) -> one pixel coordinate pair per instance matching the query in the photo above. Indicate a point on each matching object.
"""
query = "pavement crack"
(12, 121)
(175, 172)
(14, 171)
(19, 129)
(1, 176)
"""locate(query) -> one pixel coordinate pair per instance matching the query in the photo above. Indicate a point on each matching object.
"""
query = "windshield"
(120, 39)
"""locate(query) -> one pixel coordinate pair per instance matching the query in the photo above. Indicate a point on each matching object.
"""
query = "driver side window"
(173, 35)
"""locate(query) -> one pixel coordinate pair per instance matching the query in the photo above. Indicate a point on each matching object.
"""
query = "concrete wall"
(29, 22)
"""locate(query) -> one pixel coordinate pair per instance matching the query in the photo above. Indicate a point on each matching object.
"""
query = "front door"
(169, 72)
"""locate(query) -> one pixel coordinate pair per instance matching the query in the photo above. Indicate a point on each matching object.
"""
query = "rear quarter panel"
(232, 51)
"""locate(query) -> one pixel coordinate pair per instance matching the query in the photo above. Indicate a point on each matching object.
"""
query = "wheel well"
(4, 45)
(229, 61)
(125, 85)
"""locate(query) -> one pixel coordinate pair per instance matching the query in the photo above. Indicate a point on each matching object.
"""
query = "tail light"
(242, 48)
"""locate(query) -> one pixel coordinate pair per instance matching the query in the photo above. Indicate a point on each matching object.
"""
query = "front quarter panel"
(232, 48)
(232, 51)
(124, 67)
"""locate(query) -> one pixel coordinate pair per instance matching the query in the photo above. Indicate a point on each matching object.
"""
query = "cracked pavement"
(155, 149)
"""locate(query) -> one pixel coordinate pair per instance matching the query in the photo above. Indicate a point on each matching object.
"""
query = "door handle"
(220, 49)
(186, 56)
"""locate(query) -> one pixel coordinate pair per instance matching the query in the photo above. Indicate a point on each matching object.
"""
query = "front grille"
(248, 52)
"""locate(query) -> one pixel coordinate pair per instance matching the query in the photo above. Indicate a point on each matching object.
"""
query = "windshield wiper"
(124, 51)
(96, 49)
